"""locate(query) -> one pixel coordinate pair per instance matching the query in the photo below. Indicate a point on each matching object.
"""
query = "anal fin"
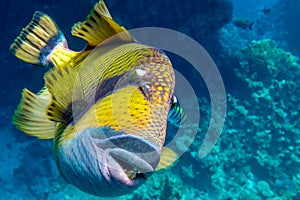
(31, 117)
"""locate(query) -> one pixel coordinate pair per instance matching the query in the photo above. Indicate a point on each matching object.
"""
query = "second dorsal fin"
(99, 26)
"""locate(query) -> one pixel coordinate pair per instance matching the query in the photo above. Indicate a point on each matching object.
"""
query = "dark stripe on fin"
(31, 117)
(37, 40)
(99, 26)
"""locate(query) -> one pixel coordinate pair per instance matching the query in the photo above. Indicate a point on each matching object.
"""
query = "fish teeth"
(131, 174)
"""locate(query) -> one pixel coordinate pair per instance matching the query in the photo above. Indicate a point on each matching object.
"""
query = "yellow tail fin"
(38, 40)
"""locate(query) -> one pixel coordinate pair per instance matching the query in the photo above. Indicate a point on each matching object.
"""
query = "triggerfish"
(106, 107)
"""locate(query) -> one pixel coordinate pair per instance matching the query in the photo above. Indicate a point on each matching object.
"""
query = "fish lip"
(117, 172)
(131, 159)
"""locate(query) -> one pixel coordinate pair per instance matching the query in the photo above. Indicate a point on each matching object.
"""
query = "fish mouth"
(129, 160)
(127, 168)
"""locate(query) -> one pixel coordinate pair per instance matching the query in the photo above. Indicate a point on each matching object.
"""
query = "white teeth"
(131, 174)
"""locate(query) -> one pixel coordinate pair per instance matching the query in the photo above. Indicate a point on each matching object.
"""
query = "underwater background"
(255, 45)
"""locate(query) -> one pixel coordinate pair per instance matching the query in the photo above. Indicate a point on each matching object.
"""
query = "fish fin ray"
(41, 42)
(99, 26)
(65, 90)
(31, 116)
(168, 159)
(101, 8)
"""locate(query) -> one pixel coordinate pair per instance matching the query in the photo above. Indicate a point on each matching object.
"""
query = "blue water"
(256, 157)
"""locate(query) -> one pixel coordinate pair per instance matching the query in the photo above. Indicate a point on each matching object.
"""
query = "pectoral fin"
(64, 85)
(168, 159)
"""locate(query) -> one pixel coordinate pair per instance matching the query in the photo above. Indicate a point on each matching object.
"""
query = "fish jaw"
(106, 166)
(130, 160)
(126, 168)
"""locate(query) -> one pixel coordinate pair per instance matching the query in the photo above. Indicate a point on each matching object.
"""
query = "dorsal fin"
(99, 26)
(65, 87)
(31, 115)
(101, 8)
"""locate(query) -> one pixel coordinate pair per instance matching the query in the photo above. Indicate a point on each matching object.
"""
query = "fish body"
(243, 23)
(265, 10)
(106, 107)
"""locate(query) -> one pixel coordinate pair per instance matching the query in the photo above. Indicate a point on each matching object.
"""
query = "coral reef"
(257, 157)
(260, 142)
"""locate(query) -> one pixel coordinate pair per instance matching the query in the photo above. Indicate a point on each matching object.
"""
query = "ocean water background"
(257, 156)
